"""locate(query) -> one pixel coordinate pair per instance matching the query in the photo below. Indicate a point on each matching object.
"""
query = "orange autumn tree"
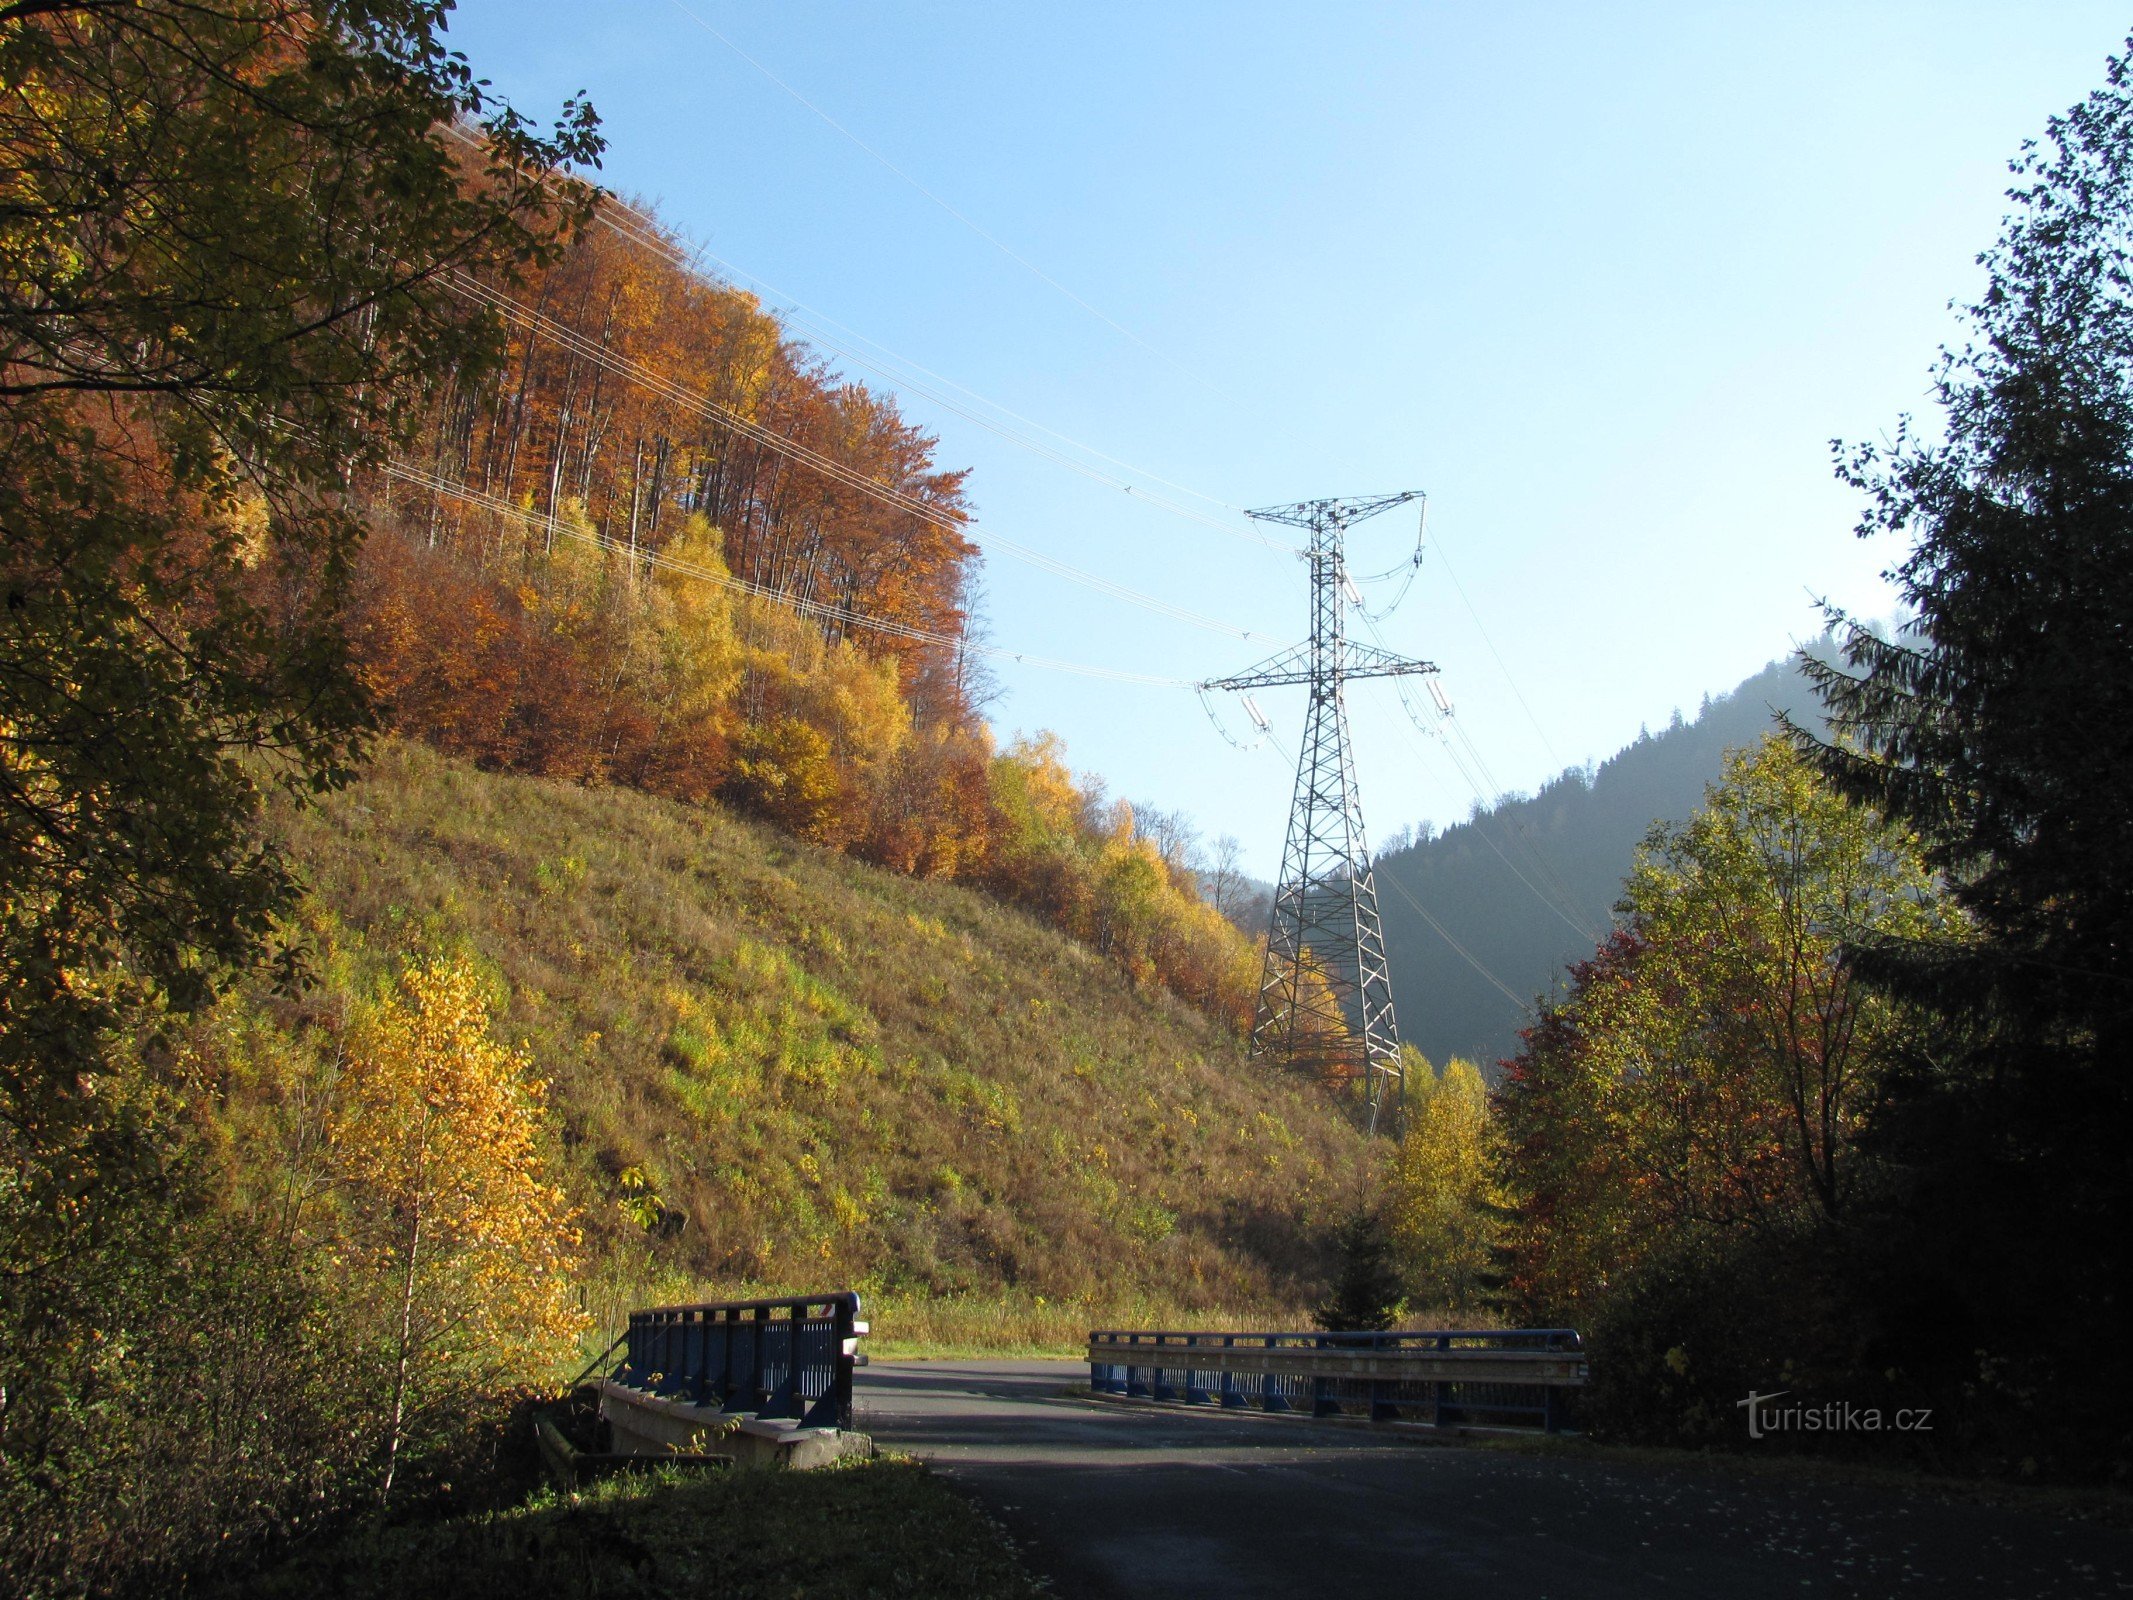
(1707, 1074)
(464, 1249)
(596, 564)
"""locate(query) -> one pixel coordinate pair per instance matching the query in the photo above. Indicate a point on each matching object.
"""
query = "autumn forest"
(500, 825)
(663, 546)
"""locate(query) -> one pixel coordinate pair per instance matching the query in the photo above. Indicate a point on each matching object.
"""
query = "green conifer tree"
(1367, 1295)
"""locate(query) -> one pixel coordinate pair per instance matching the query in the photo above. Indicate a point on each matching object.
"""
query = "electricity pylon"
(1325, 947)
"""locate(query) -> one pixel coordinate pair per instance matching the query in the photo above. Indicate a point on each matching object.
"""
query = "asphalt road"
(1112, 1500)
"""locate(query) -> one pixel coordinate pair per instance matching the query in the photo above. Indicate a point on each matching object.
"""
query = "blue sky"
(1604, 281)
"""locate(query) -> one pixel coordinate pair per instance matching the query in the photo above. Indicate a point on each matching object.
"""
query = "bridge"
(730, 1382)
(1244, 1465)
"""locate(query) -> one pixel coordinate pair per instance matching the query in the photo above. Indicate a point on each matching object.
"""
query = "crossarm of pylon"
(1367, 661)
(1345, 513)
(1293, 665)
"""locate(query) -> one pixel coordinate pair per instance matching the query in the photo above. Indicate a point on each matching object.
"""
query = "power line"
(1460, 589)
(579, 344)
(1564, 911)
(647, 231)
(819, 609)
(1496, 793)
(1558, 898)
(646, 235)
(1013, 255)
(587, 349)
(1445, 934)
(1556, 882)
(1259, 721)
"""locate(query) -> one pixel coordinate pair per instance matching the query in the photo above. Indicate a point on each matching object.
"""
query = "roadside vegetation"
(768, 1064)
(863, 1529)
(1841, 1106)
(566, 1051)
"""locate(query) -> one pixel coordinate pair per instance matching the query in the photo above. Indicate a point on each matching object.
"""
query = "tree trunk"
(403, 1354)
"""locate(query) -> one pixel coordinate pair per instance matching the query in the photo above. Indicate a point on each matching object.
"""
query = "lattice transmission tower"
(1325, 998)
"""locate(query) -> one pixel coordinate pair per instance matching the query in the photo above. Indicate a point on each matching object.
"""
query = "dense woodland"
(496, 820)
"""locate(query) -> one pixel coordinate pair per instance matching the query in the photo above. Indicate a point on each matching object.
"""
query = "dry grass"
(842, 1077)
(866, 1529)
(1031, 1325)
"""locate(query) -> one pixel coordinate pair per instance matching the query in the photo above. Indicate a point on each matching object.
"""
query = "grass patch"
(772, 1065)
(1035, 1326)
(873, 1528)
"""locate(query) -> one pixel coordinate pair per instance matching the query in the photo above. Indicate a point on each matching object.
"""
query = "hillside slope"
(1571, 843)
(835, 1073)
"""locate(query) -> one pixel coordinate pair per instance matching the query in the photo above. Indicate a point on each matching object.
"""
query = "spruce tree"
(1366, 1295)
(1999, 727)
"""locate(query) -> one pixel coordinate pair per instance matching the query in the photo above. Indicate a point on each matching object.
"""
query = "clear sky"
(1603, 280)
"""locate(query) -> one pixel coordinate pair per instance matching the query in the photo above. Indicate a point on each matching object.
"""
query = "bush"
(1680, 1344)
(171, 1387)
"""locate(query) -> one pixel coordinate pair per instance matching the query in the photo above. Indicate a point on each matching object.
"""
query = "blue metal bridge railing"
(1509, 1378)
(772, 1358)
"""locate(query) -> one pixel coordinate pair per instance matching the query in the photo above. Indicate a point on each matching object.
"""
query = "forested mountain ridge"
(1528, 886)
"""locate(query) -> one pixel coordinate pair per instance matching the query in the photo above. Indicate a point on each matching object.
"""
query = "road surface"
(1112, 1500)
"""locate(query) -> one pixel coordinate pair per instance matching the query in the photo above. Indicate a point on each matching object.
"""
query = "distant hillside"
(1529, 886)
(834, 1073)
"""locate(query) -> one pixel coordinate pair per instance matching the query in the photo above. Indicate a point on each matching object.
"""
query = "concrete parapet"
(641, 1424)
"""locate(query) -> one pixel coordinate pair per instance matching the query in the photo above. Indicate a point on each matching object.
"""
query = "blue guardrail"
(772, 1358)
(1496, 1378)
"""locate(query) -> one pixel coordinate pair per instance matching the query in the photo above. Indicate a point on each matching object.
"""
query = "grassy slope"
(842, 1076)
(875, 1528)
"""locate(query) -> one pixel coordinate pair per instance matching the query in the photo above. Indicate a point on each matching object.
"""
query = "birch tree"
(459, 1244)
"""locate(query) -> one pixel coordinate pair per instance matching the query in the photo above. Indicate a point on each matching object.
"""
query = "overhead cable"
(818, 609)
(1407, 571)
(630, 223)
(1565, 911)
(1470, 958)
(1558, 896)
(649, 236)
(588, 349)
(1215, 720)
(1501, 666)
(1013, 255)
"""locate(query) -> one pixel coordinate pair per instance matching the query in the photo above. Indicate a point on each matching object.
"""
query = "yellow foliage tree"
(1447, 1205)
(464, 1250)
(685, 633)
(784, 770)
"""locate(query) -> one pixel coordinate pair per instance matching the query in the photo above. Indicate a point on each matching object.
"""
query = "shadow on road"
(1128, 1501)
